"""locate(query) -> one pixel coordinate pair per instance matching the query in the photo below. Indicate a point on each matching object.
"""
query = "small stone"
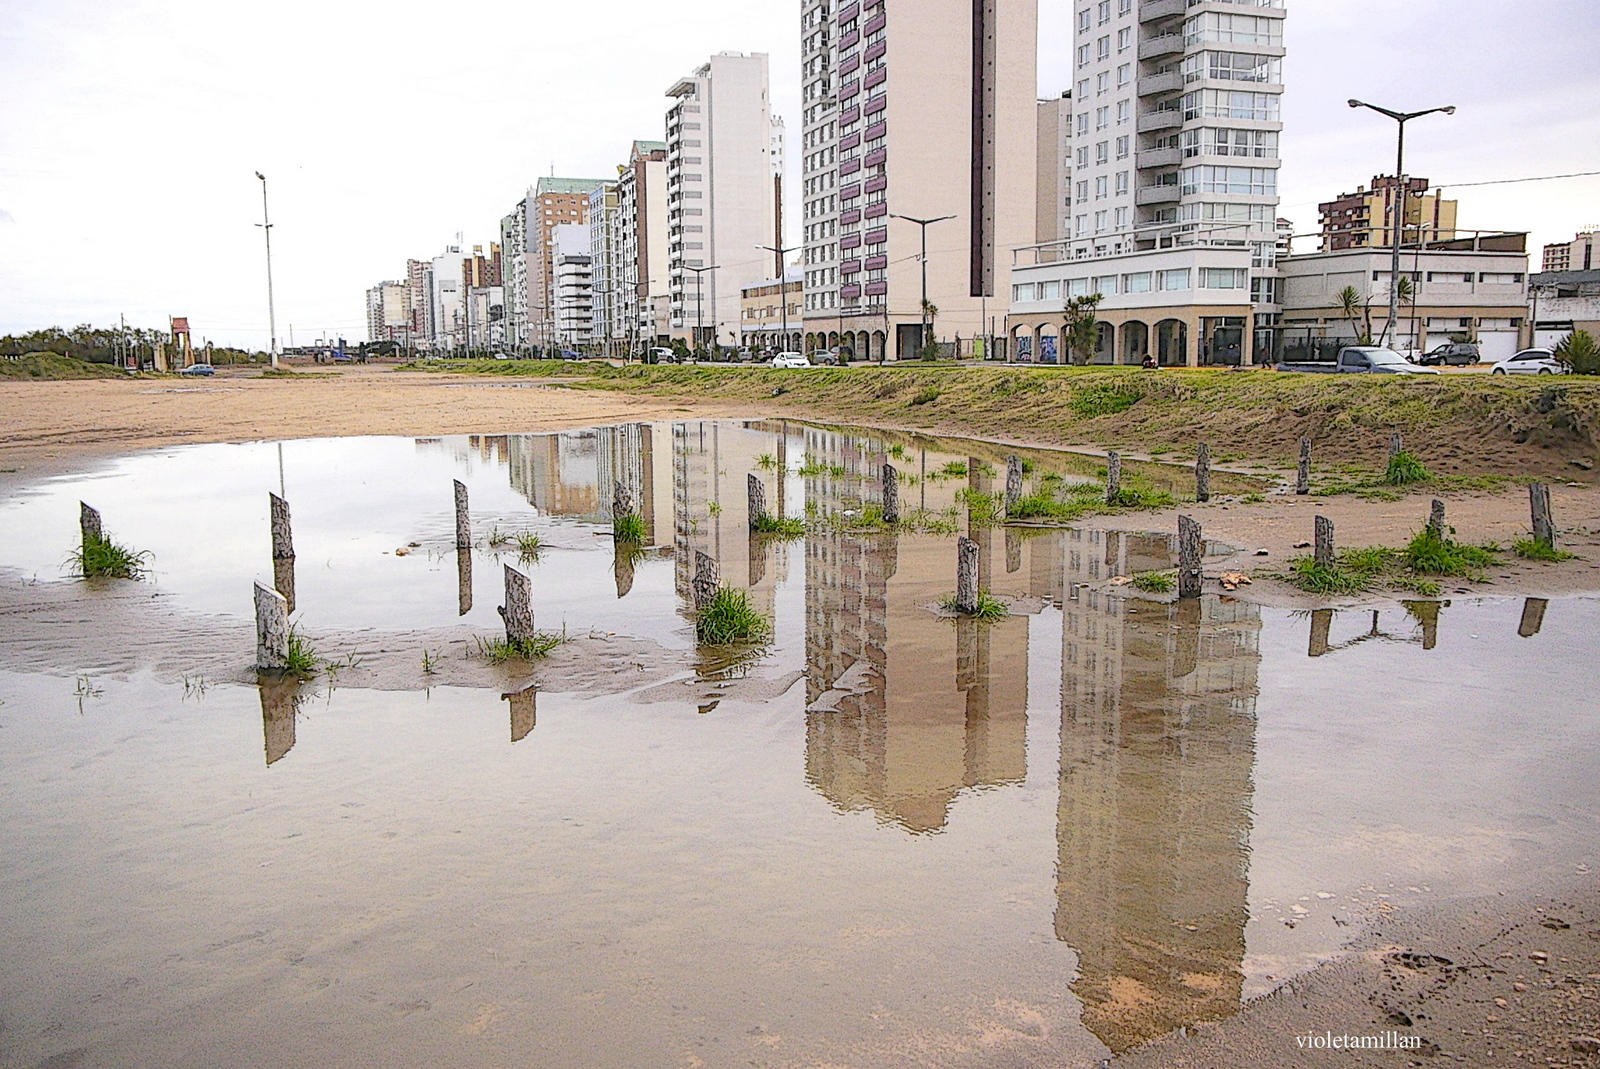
(1302, 545)
(1540, 956)
(1583, 462)
(1262, 553)
(1586, 1045)
(1502, 1003)
(1519, 987)
(401, 552)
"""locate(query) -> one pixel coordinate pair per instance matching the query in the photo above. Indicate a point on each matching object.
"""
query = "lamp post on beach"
(272, 316)
(922, 338)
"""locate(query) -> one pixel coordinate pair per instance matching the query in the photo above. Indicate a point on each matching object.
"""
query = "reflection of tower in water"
(904, 710)
(1157, 745)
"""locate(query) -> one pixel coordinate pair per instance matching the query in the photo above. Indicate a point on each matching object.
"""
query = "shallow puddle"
(884, 839)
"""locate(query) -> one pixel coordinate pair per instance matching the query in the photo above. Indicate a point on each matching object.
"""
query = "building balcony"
(873, 211)
(876, 263)
(1150, 10)
(875, 77)
(875, 158)
(876, 130)
(1166, 44)
(875, 183)
(849, 89)
(850, 192)
(848, 116)
(876, 288)
(879, 21)
(849, 167)
(1153, 84)
(1158, 157)
(1157, 195)
(1159, 120)
(848, 13)
(852, 215)
(874, 51)
(850, 267)
(876, 104)
(849, 65)
(878, 236)
(851, 290)
(850, 241)
(849, 141)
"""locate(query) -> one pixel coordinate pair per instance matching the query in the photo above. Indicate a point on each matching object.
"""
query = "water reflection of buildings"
(904, 710)
(1157, 743)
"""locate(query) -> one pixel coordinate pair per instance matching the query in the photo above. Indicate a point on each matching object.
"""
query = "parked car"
(825, 358)
(198, 370)
(1455, 354)
(659, 354)
(1362, 359)
(1530, 362)
(790, 360)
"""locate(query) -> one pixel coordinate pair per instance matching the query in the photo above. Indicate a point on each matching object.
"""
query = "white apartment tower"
(641, 269)
(1174, 186)
(914, 109)
(720, 204)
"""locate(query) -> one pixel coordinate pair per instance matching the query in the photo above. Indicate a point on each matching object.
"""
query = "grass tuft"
(1531, 549)
(1432, 552)
(786, 526)
(925, 395)
(983, 510)
(989, 607)
(628, 528)
(499, 650)
(730, 618)
(103, 558)
(1103, 399)
(1155, 582)
(303, 661)
(1404, 469)
(528, 545)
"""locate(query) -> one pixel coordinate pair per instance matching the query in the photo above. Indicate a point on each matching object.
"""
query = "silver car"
(1530, 362)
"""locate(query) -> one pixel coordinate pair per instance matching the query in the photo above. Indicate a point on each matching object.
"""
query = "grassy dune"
(1456, 424)
(48, 365)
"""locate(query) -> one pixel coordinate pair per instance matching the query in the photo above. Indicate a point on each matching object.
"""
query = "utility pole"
(272, 315)
(924, 224)
(699, 306)
(783, 285)
(1398, 217)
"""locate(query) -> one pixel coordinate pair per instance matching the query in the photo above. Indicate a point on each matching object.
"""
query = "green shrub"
(1155, 582)
(103, 558)
(1531, 549)
(989, 607)
(1041, 505)
(1404, 469)
(1103, 399)
(779, 525)
(629, 528)
(925, 395)
(982, 508)
(1432, 552)
(1580, 352)
(730, 618)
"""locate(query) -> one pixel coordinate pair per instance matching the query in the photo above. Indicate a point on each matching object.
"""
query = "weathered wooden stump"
(1191, 548)
(272, 630)
(283, 579)
(1532, 617)
(524, 711)
(280, 701)
(463, 581)
(517, 612)
(1321, 624)
(1397, 444)
(1202, 472)
(1322, 542)
(1013, 482)
(1013, 550)
(707, 579)
(1436, 517)
(891, 494)
(89, 526)
(282, 535)
(1544, 528)
(463, 517)
(621, 501)
(756, 493)
(966, 576)
(1113, 477)
(1302, 481)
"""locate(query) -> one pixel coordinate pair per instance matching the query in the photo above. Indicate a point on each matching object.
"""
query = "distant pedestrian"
(1148, 361)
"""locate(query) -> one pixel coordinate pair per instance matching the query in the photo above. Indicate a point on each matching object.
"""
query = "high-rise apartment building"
(514, 274)
(605, 236)
(1579, 254)
(419, 298)
(1052, 216)
(388, 312)
(720, 194)
(642, 253)
(1176, 118)
(914, 109)
(1365, 219)
(551, 203)
(447, 298)
(572, 288)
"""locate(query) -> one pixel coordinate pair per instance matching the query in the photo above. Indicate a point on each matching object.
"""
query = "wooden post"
(90, 526)
(966, 576)
(1013, 550)
(1532, 617)
(1436, 518)
(1191, 547)
(1113, 476)
(707, 579)
(517, 612)
(891, 494)
(1202, 472)
(1302, 482)
(1321, 624)
(1397, 444)
(1322, 554)
(1544, 528)
(463, 517)
(1013, 483)
(621, 501)
(282, 536)
(757, 504)
(463, 581)
(524, 711)
(283, 579)
(272, 630)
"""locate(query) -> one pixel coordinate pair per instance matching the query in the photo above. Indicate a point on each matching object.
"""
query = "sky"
(131, 131)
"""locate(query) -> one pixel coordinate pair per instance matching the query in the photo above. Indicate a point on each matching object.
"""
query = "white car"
(1530, 362)
(790, 360)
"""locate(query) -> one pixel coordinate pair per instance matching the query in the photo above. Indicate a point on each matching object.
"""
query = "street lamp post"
(1399, 218)
(924, 223)
(783, 285)
(699, 304)
(272, 315)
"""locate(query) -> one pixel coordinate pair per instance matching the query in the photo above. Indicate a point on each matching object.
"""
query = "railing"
(1164, 45)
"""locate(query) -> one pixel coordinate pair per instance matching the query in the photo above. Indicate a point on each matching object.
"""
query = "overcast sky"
(130, 131)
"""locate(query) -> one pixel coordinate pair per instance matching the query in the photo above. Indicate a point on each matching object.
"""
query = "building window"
(1022, 292)
(1105, 11)
(1102, 118)
(1083, 190)
(1124, 38)
(1050, 291)
(1083, 55)
(1499, 278)
(1233, 29)
(1222, 278)
(1266, 290)
(1120, 218)
(1102, 83)
(1102, 48)
(1100, 222)
(1122, 182)
(1124, 74)
(1209, 141)
(1124, 6)
(1136, 283)
(1083, 124)
(1227, 213)
(1173, 280)
(1084, 20)
(1244, 181)
(1230, 104)
(1102, 152)
(1232, 67)
(1083, 156)
(1124, 112)
(1105, 285)
(1081, 225)
(1083, 88)
(1122, 147)
(1101, 188)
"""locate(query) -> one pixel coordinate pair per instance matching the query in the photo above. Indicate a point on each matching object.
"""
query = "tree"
(1350, 304)
(1080, 331)
(930, 347)
(1580, 352)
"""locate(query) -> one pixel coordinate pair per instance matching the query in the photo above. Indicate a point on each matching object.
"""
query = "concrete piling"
(1191, 549)
(1202, 472)
(90, 526)
(1113, 477)
(1436, 517)
(966, 576)
(1013, 482)
(463, 517)
(282, 535)
(756, 494)
(1322, 551)
(1544, 528)
(891, 494)
(1302, 482)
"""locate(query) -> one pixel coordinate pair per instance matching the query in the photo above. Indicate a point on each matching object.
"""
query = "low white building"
(1474, 287)
(1564, 301)
(574, 285)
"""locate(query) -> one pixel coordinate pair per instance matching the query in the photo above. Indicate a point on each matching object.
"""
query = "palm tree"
(930, 312)
(1350, 304)
(1080, 332)
(1580, 352)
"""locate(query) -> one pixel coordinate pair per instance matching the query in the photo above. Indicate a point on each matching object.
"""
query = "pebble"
(1519, 987)
(1540, 956)
(1586, 1045)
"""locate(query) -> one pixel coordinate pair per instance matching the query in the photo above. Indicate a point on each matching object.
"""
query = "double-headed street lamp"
(1398, 222)
(924, 224)
(783, 285)
(699, 306)
(266, 228)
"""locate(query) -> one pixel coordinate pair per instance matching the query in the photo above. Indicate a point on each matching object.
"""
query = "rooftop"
(569, 185)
